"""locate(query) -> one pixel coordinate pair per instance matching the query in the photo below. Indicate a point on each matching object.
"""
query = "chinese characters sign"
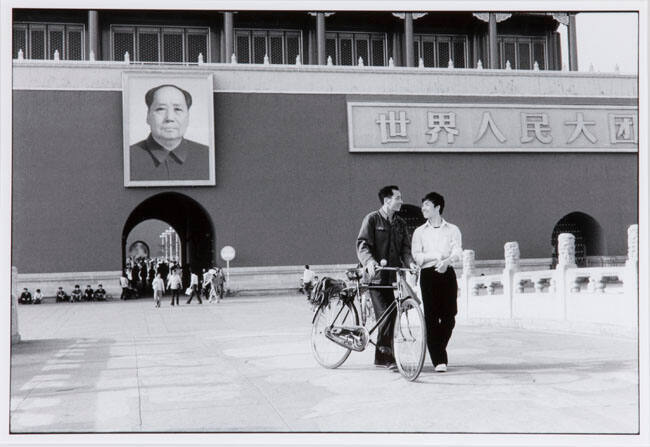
(419, 127)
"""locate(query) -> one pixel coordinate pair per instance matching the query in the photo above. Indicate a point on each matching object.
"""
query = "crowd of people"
(144, 276)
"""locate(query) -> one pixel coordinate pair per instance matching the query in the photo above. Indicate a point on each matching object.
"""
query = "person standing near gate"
(435, 245)
(383, 235)
(175, 283)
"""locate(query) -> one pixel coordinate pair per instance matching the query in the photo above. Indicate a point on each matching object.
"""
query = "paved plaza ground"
(245, 365)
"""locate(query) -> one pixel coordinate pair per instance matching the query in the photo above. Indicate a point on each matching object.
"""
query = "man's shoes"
(389, 365)
(441, 367)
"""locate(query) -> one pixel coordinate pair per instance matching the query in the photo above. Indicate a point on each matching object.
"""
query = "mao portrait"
(168, 130)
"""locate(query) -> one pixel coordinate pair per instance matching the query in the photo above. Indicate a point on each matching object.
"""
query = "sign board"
(432, 127)
(227, 253)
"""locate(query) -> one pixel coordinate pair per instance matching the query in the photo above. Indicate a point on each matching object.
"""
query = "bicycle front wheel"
(335, 313)
(409, 339)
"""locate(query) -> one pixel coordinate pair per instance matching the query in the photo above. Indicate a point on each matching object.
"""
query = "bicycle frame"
(402, 292)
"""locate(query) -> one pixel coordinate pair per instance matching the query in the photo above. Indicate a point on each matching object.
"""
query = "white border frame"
(165, 77)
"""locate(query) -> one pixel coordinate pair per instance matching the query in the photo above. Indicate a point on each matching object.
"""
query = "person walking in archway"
(175, 284)
(158, 285)
(194, 287)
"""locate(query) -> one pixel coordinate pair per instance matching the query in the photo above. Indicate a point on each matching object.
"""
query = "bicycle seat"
(354, 274)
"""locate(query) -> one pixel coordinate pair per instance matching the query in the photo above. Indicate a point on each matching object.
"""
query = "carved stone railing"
(603, 295)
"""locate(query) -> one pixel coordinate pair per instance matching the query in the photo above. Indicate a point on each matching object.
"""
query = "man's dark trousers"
(439, 293)
(381, 300)
(195, 292)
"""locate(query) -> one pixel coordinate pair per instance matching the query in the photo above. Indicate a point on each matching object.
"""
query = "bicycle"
(336, 331)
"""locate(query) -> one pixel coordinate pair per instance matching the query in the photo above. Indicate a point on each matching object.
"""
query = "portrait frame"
(200, 129)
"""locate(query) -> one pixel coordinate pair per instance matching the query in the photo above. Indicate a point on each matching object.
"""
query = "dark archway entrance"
(590, 240)
(187, 217)
(412, 215)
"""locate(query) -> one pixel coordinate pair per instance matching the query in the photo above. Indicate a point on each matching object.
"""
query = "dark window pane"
(123, 42)
(346, 51)
(509, 54)
(416, 52)
(428, 54)
(243, 47)
(259, 49)
(197, 44)
(293, 48)
(38, 44)
(362, 51)
(173, 47)
(378, 58)
(19, 42)
(330, 50)
(148, 47)
(459, 53)
(443, 54)
(276, 50)
(74, 45)
(524, 56)
(56, 43)
(538, 55)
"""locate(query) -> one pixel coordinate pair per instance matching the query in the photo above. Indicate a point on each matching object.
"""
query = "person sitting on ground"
(88, 293)
(38, 297)
(100, 293)
(76, 294)
(25, 297)
(61, 295)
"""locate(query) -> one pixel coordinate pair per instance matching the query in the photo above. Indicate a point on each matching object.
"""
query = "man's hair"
(386, 191)
(148, 97)
(38, 290)
(436, 199)
(306, 266)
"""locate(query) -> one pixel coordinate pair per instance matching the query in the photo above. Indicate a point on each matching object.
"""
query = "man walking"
(194, 286)
(175, 284)
(436, 244)
(383, 235)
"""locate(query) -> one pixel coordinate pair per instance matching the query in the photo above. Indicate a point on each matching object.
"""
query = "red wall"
(288, 191)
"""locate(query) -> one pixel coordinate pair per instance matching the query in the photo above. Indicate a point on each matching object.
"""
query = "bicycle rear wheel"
(409, 339)
(335, 313)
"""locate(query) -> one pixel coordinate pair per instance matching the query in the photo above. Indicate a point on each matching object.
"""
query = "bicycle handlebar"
(395, 269)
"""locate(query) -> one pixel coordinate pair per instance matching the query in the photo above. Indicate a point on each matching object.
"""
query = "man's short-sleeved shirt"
(150, 161)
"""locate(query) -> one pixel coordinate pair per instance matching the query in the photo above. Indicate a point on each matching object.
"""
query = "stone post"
(566, 249)
(631, 276)
(468, 272)
(512, 256)
(15, 334)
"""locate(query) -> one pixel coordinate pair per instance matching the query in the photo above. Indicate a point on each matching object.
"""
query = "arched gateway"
(187, 217)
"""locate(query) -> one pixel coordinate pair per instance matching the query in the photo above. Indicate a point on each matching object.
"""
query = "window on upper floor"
(42, 40)
(160, 44)
(436, 50)
(281, 46)
(345, 48)
(522, 52)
